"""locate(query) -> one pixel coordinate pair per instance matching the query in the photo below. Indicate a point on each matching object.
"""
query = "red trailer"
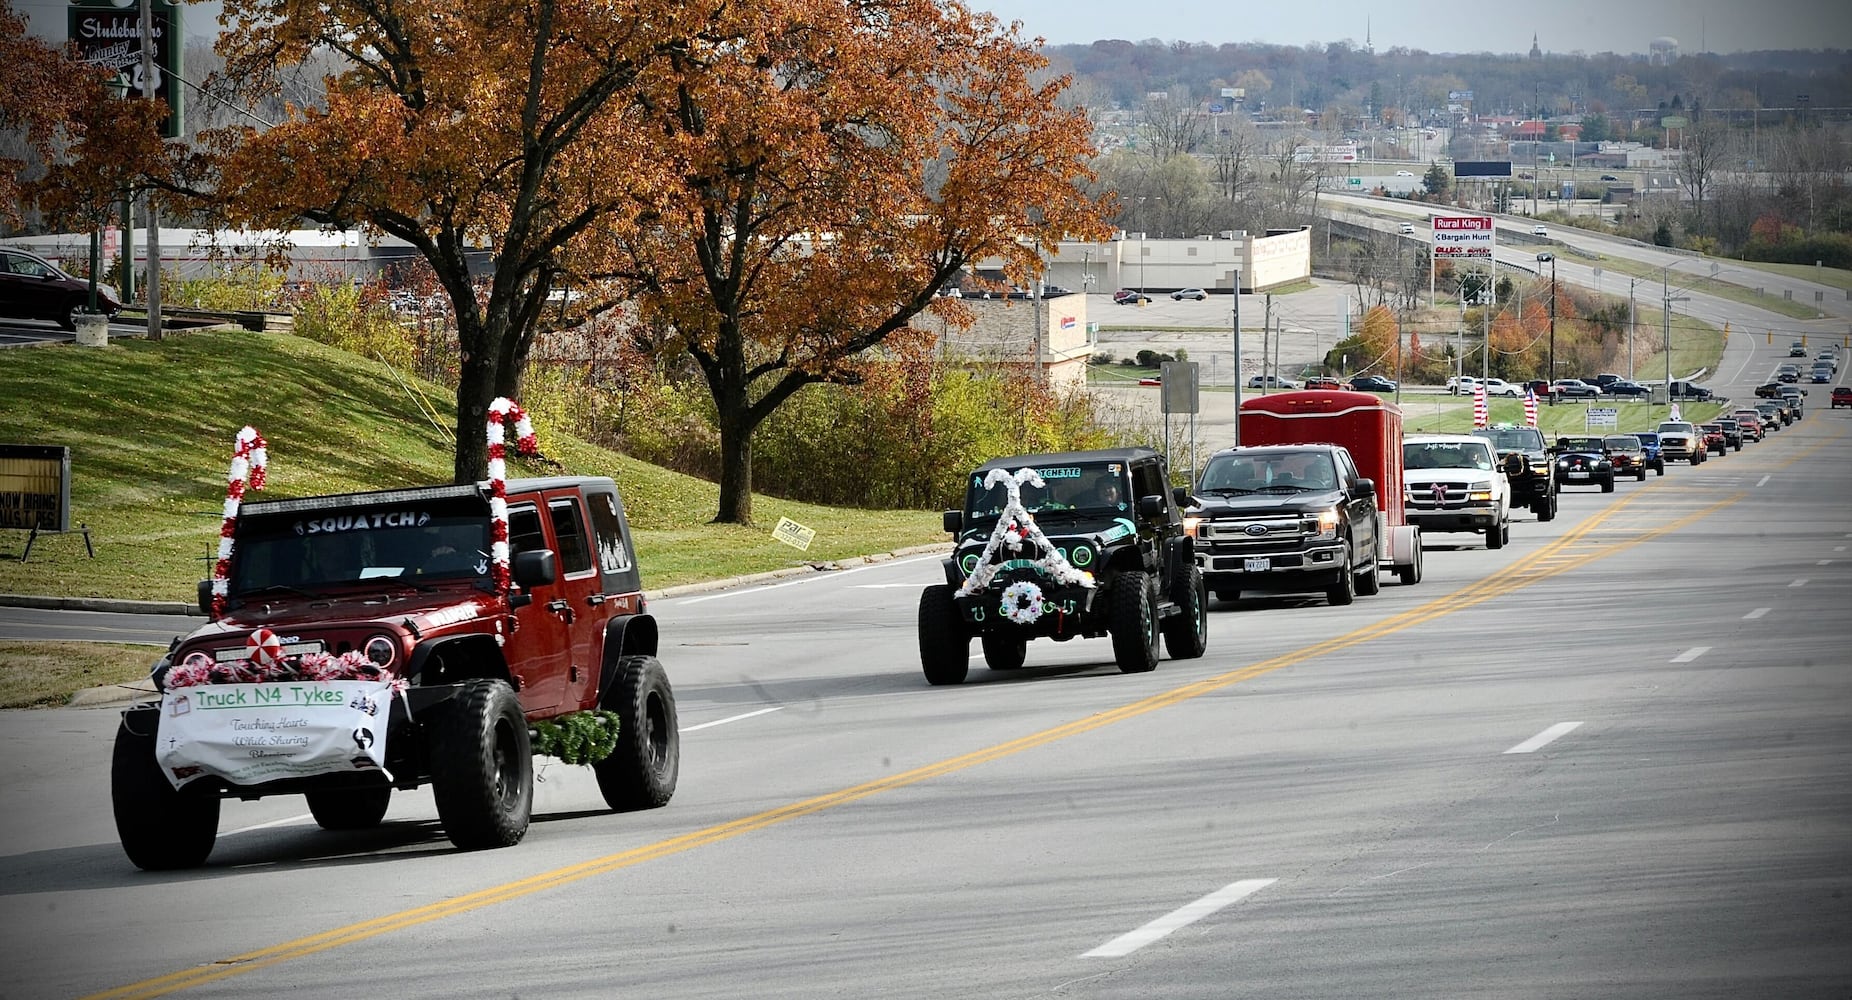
(1367, 426)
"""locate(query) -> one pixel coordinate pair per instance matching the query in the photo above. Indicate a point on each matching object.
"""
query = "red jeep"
(387, 612)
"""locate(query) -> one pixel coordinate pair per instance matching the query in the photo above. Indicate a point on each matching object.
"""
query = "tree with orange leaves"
(778, 187)
(1381, 336)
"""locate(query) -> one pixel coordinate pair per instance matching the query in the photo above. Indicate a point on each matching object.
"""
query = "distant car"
(1768, 390)
(1798, 349)
(1681, 439)
(1573, 388)
(1751, 423)
(1626, 454)
(1609, 177)
(1603, 380)
(32, 287)
(1626, 388)
(1406, 229)
(1828, 358)
(1732, 432)
(1271, 382)
(1842, 396)
(1403, 173)
(1372, 383)
(1055, 291)
(1649, 450)
(1151, 380)
(1189, 293)
(1787, 373)
(1500, 387)
(1714, 439)
(1821, 375)
(1583, 461)
(1128, 297)
(1458, 384)
(1540, 230)
(1323, 382)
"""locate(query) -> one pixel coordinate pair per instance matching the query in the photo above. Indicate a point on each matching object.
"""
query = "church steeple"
(1535, 52)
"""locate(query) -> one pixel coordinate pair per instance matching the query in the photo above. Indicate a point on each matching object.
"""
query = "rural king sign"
(108, 34)
(1463, 237)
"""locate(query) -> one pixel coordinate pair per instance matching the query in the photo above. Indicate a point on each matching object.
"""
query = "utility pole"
(1237, 368)
(1632, 324)
(154, 211)
(1266, 342)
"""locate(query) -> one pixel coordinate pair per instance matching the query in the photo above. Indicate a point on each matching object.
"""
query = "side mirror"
(954, 521)
(1183, 496)
(205, 599)
(535, 569)
(1367, 487)
(1152, 506)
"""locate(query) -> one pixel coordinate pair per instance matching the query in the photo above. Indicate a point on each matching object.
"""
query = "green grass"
(150, 427)
(1835, 276)
(1708, 286)
(1456, 417)
(46, 674)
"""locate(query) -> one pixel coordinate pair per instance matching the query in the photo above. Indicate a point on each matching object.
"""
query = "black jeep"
(1086, 543)
(1534, 485)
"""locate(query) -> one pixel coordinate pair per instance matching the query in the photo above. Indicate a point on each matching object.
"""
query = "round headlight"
(382, 650)
(1083, 555)
(968, 563)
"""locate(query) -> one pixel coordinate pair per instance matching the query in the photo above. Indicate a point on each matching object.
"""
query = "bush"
(339, 316)
(237, 289)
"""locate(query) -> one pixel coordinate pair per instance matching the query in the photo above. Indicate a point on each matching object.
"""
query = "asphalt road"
(1608, 760)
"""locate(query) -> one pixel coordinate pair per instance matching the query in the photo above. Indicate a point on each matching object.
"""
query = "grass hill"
(151, 426)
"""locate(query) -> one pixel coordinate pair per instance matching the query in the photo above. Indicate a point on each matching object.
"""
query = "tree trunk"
(735, 471)
(475, 390)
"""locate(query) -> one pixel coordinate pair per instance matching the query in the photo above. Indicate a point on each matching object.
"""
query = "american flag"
(1479, 410)
(1530, 407)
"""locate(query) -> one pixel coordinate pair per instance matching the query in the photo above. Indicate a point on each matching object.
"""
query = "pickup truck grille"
(1438, 496)
(1256, 535)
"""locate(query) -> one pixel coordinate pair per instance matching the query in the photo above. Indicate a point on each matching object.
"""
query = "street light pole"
(1550, 376)
(1632, 324)
(1237, 366)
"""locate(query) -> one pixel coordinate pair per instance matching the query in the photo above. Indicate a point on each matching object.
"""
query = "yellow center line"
(1574, 548)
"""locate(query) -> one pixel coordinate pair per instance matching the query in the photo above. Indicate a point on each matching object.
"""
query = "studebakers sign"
(1463, 237)
(107, 33)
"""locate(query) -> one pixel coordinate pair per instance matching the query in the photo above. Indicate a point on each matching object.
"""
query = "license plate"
(1578, 475)
(1256, 565)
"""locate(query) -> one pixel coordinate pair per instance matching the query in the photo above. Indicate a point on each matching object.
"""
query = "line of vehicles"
(1325, 494)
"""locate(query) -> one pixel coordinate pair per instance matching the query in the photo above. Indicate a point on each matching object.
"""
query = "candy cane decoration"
(250, 457)
(499, 412)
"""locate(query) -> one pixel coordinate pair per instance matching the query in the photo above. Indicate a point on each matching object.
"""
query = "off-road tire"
(945, 648)
(1544, 507)
(1343, 591)
(1186, 634)
(1659, 467)
(642, 769)
(482, 765)
(1607, 485)
(349, 808)
(1134, 626)
(1497, 535)
(1639, 474)
(162, 828)
(1004, 652)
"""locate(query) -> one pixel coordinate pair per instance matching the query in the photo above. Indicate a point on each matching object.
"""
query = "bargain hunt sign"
(1463, 237)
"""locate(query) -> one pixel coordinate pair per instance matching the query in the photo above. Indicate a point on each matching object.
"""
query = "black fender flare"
(424, 651)
(624, 635)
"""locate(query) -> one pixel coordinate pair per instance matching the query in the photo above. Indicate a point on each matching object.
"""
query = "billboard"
(1482, 168)
(109, 35)
(1325, 154)
(35, 487)
(1463, 237)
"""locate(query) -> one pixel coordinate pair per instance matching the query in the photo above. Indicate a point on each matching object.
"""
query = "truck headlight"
(1327, 523)
(1480, 495)
(1189, 525)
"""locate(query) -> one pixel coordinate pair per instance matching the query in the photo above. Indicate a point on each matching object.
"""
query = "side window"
(1347, 470)
(574, 554)
(1148, 480)
(524, 533)
(613, 554)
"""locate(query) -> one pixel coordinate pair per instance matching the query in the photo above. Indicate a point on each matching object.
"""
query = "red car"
(1323, 382)
(1714, 439)
(1842, 396)
(1751, 423)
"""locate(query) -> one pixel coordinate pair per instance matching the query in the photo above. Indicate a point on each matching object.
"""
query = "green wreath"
(578, 738)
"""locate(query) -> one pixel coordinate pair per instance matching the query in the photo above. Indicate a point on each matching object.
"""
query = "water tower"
(1663, 51)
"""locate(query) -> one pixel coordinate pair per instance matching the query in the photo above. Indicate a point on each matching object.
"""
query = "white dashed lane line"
(1757, 613)
(1764, 480)
(1544, 738)
(1802, 582)
(1179, 918)
(730, 718)
(1691, 654)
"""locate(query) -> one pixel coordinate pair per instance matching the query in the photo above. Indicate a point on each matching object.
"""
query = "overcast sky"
(1560, 25)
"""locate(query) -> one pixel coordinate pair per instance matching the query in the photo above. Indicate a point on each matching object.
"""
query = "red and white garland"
(250, 457)
(352, 665)
(499, 411)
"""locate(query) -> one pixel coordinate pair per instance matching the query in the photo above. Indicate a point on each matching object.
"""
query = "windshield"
(1100, 488)
(1283, 471)
(318, 549)
(1624, 442)
(1513, 438)
(1447, 455)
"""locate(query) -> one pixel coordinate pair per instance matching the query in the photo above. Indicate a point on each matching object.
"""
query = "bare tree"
(1172, 127)
(1810, 163)
(1708, 149)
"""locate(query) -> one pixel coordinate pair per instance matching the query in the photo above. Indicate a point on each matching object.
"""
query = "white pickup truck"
(1455, 483)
